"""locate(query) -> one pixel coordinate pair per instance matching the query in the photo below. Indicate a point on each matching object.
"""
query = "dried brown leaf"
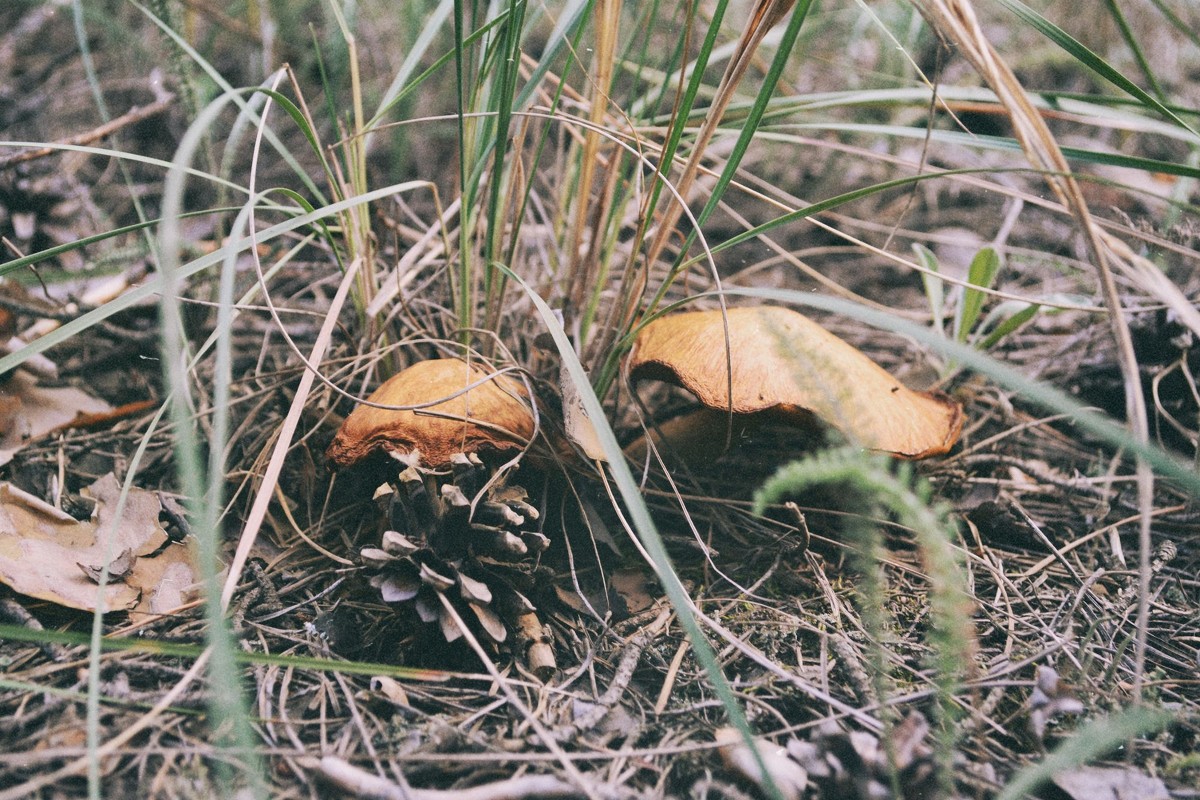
(29, 411)
(118, 569)
(42, 549)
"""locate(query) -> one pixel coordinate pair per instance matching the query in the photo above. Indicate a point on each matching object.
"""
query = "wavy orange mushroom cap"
(784, 362)
(491, 416)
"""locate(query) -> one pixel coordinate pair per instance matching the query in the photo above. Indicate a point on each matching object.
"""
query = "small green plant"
(966, 302)
(1183, 767)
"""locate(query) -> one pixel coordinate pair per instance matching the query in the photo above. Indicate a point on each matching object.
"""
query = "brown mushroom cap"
(785, 362)
(490, 416)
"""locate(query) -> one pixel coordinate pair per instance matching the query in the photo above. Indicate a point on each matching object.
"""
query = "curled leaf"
(49, 555)
(579, 427)
(118, 569)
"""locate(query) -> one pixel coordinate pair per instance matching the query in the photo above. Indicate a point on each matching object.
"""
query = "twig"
(1041, 534)
(364, 785)
(133, 115)
(543, 734)
(620, 682)
(80, 764)
(664, 694)
(1061, 551)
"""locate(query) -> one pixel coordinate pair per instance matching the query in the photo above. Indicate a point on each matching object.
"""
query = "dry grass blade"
(608, 15)
(266, 490)
(955, 20)
(546, 736)
(766, 14)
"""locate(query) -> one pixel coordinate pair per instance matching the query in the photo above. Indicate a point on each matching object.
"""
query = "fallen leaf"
(166, 581)
(29, 411)
(43, 548)
(631, 584)
(788, 776)
(785, 364)
(578, 425)
(391, 689)
(118, 569)
(1110, 783)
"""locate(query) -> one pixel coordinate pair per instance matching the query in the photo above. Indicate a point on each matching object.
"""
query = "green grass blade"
(571, 20)
(1008, 325)
(462, 300)
(1114, 10)
(680, 115)
(79, 244)
(980, 277)
(640, 519)
(293, 111)
(509, 47)
(136, 157)
(1177, 22)
(416, 54)
(1091, 60)
(229, 90)
(1089, 742)
(761, 102)
(745, 137)
(201, 488)
(935, 288)
(840, 200)
(985, 142)
(89, 66)
(154, 285)
(191, 652)
(408, 88)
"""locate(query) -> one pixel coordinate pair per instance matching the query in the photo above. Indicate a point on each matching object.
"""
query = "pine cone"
(854, 764)
(439, 553)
